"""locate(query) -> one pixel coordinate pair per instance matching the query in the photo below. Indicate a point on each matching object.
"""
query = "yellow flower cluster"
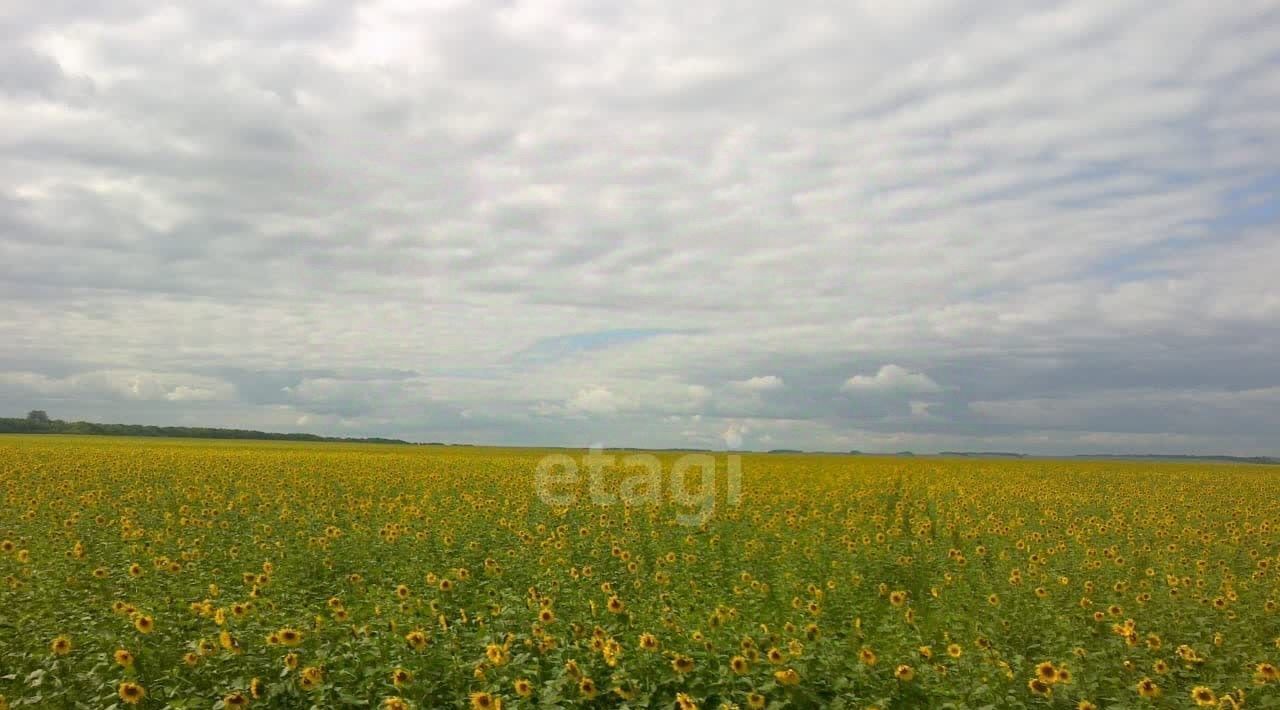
(188, 573)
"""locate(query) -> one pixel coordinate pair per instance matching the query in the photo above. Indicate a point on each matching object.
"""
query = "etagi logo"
(558, 480)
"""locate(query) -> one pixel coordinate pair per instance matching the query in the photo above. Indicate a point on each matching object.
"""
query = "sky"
(918, 225)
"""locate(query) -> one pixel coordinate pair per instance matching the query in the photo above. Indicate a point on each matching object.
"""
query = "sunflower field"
(197, 574)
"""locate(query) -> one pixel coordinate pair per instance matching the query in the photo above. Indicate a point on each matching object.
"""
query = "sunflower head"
(60, 646)
(401, 677)
(1047, 672)
(1204, 697)
(587, 688)
(682, 663)
(787, 677)
(144, 624)
(131, 693)
(1147, 688)
(1039, 687)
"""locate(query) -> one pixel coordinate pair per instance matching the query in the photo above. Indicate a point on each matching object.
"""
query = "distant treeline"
(41, 425)
(984, 454)
(38, 422)
(1212, 458)
(1186, 457)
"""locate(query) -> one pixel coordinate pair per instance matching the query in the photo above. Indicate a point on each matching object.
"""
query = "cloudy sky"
(1045, 227)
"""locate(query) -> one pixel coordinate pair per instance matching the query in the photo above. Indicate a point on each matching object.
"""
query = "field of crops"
(191, 574)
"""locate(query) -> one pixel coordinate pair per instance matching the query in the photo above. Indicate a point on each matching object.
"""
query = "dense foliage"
(190, 574)
(44, 425)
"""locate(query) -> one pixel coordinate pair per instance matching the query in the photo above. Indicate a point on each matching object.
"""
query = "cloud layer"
(1048, 227)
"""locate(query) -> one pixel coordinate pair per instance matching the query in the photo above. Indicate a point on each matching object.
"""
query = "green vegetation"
(38, 422)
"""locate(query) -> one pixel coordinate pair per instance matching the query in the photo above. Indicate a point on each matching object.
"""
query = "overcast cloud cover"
(1046, 227)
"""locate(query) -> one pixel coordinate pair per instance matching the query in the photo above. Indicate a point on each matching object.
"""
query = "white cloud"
(760, 383)
(594, 400)
(891, 378)
(1144, 408)
(920, 410)
(122, 384)
(183, 393)
(734, 434)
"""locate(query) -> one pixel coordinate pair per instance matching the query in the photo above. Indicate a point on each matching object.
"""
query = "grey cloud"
(26, 72)
(1032, 204)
